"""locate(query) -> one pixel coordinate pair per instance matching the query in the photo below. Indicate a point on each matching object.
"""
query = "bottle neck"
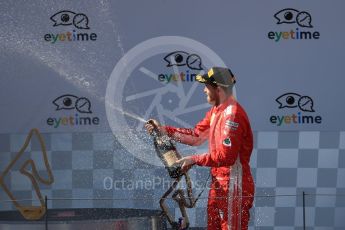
(156, 133)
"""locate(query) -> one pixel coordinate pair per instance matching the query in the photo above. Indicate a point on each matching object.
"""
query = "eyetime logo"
(181, 58)
(302, 22)
(304, 105)
(70, 19)
(81, 108)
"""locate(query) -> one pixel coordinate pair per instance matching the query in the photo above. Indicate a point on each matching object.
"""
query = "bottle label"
(170, 157)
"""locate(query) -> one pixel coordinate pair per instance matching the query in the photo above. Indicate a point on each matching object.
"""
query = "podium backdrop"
(86, 73)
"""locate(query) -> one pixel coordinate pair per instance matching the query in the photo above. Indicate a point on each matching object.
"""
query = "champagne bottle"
(167, 152)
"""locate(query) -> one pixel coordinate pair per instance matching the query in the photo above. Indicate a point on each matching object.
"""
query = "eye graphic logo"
(181, 58)
(78, 33)
(69, 101)
(290, 16)
(67, 18)
(302, 30)
(293, 100)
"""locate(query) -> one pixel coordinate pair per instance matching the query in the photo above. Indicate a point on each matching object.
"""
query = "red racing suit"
(230, 137)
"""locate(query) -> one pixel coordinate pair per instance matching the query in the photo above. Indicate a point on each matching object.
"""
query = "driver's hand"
(186, 163)
(151, 125)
